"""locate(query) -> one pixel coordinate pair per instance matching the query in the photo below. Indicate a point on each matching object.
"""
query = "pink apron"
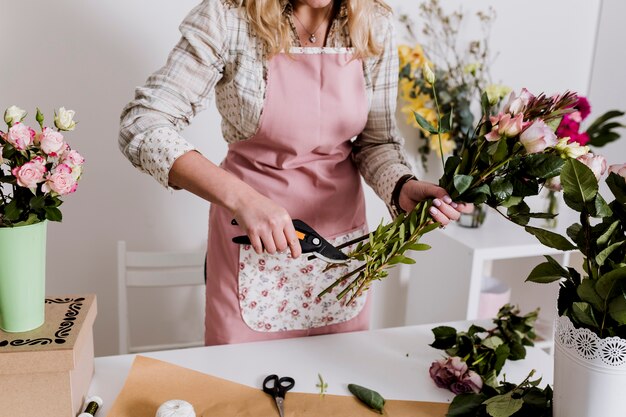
(300, 158)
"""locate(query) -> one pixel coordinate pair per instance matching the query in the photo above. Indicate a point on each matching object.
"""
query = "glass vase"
(474, 219)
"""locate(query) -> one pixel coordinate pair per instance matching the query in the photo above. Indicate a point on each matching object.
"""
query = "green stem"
(342, 279)
(443, 164)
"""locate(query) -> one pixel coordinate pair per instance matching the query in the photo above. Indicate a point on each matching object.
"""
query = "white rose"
(64, 119)
(570, 149)
(14, 115)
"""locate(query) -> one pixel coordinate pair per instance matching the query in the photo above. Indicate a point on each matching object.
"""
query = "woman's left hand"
(443, 210)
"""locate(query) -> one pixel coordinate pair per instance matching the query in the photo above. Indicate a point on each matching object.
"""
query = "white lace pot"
(589, 373)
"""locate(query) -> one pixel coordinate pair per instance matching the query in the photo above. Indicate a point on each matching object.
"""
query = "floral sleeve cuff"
(158, 151)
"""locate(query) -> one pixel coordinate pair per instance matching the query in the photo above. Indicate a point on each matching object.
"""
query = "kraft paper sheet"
(151, 382)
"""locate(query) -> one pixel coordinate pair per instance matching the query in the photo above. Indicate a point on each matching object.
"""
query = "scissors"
(277, 388)
(310, 241)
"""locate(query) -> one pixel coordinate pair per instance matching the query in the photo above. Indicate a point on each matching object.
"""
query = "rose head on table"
(510, 154)
(36, 168)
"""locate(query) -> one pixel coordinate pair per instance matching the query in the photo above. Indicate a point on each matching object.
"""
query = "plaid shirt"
(217, 52)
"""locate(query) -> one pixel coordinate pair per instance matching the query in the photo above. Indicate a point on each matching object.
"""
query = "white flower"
(14, 115)
(428, 73)
(64, 119)
(571, 149)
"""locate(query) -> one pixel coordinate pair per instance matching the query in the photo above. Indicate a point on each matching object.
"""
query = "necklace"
(312, 37)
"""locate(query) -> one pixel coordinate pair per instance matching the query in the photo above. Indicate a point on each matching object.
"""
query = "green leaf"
(606, 236)
(606, 285)
(587, 292)
(446, 122)
(492, 342)
(425, 124)
(32, 219)
(369, 397)
(419, 247)
(462, 182)
(579, 184)
(445, 337)
(545, 273)
(617, 184)
(583, 312)
(600, 207)
(501, 189)
(503, 405)
(543, 165)
(602, 256)
(11, 211)
(617, 309)
(551, 239)
(37, 202)
(464, 405)
(53, 214)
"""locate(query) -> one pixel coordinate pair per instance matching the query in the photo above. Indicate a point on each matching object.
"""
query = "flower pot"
(22, 277)
(589, 372)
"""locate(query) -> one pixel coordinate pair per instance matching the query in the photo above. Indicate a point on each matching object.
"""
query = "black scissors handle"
(277, 387)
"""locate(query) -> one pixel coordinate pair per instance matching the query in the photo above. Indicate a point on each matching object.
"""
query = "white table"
(395, 362)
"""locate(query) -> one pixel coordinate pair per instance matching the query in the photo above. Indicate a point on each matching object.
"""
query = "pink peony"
(31, 173)
(20, 136)
(453, 374)
(517, 104)
(597, 163)
(537, 137)
(618, 169)
(60, 181)
(51, 141)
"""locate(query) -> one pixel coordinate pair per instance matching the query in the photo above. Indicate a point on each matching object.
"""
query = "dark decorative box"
(47, 371)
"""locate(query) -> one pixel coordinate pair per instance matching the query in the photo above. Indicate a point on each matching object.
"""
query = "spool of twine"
(176, 408)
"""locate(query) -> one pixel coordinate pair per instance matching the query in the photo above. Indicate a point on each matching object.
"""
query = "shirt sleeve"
(173, 95)
(379, 150)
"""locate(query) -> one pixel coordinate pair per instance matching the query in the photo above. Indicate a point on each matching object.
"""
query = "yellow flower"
(472, 68)
(447, 144)
(422, 104)
(413, 56)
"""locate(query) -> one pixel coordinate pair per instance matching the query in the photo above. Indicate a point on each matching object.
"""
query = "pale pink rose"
(597, 163)
(20, 136)
(618, 169)
(503, 125)
(60, 181)
(537, 137)
(72, 158)
(51, 141)
(517, 104)
(31, 173)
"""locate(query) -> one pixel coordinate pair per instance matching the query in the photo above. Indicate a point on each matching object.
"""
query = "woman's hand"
(443, 210)
(267, 224)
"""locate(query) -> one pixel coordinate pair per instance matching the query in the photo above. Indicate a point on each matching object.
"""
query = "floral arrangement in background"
(461, 70)
(509, 156)
(36, 168)
(475, 359)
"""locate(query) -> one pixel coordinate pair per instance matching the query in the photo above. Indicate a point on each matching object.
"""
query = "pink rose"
(597, 163)
(31, 173)
(517, 104)
(537, 137)
(453, 374)
(20, 136)
(504, 125)
(618, 169)
(51, 141)
(72, 158)
(60, 181)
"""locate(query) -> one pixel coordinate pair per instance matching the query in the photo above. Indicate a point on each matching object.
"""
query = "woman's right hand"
(267, 224)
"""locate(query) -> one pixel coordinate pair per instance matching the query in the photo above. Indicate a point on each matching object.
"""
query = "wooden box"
(47, 371)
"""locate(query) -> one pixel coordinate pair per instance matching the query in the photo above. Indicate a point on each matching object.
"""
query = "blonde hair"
(268, 23)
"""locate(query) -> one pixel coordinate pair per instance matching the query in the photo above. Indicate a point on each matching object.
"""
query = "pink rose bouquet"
(36, 168)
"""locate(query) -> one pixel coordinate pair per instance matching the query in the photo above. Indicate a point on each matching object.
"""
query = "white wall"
(90, 55)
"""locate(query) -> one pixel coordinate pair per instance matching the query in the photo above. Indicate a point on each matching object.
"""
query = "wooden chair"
(155, 269)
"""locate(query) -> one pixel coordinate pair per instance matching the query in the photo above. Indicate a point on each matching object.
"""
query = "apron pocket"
(278, 293)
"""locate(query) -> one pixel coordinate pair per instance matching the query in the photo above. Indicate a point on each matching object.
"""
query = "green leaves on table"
(505, 400)
(486, 350)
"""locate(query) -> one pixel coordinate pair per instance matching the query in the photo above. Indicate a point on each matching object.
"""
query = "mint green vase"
(22, 277)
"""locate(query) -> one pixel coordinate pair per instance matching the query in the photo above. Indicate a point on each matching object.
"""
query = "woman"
(300, 126)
